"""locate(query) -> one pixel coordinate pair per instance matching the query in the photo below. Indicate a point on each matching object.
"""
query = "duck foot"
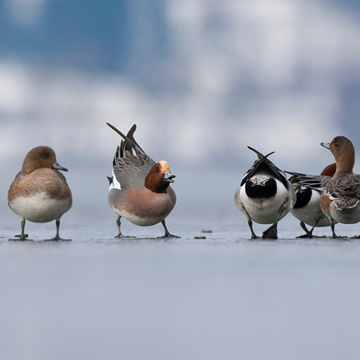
(310, 236)
(253, 235)
(169, 236)
(19, 238)
(271, 232)
(338, 237)
(304, 236)
(57, 238)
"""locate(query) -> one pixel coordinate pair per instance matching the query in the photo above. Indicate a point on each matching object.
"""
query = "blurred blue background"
(201, 79)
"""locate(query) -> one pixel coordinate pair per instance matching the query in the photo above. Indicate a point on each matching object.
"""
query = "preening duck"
(140, 188)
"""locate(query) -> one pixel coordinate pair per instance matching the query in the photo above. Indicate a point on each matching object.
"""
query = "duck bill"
(57, 166)
(325, 145)
(168, 177)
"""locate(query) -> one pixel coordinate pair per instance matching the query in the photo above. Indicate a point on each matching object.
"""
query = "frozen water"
(224, 297)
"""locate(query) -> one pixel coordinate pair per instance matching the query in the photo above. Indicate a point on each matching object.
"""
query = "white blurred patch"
(25, 12)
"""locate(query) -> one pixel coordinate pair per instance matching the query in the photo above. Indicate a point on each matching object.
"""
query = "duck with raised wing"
(308, 189)
(340, 201)
(40, 192)
(265, 195)
(140, 188)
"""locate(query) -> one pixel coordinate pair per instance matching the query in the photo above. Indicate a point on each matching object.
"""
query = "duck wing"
(130, 164)
(347, 186)
(316, 182)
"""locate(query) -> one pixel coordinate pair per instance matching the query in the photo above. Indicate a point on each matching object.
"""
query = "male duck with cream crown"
(340, 201)
(265, 195)
(140, 189)
(40, 192)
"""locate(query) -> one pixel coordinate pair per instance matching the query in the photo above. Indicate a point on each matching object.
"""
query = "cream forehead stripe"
(164, 166)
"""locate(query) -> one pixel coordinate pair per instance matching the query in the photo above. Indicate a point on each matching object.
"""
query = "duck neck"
(28, 167)
(345, 163)
(156, 185)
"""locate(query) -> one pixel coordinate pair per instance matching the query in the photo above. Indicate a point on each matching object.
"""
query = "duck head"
(159, 177)
(344, 154)
(41, 157)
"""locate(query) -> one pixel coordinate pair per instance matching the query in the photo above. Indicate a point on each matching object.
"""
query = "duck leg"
(118, 224)
(271, 232)
(253, 235)
(57, 236)
(23, 236)
(332, 225)
(167, 234)
(311, 231)
(308, 234)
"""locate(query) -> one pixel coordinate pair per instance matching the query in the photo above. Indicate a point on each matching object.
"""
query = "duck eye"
(44, 156)
(157, 170)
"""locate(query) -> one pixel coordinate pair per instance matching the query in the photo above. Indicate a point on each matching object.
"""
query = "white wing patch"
(114, 184)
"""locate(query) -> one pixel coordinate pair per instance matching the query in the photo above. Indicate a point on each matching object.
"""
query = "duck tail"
(259, 154)
(128, 143)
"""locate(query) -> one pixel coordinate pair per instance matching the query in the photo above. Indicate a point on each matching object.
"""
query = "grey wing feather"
(130, 164)
(317, 182)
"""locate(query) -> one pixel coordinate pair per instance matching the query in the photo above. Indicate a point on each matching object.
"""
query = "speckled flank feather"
(49, 181)
(346, 186)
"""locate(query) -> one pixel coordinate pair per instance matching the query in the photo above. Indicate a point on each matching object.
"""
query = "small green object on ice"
(26, 235)
(199, 237)
(206, 231)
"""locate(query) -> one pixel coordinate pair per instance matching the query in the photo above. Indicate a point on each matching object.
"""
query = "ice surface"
(225, 297)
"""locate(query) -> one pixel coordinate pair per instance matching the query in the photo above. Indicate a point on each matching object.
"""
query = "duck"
(265, 195)
(340, 200)
(140, 188)
(39, 192)
(308, 189)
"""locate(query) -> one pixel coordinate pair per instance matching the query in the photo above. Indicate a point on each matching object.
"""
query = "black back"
(265, 190)
(303, 197)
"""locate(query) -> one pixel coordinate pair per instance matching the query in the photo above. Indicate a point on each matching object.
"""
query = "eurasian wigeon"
(308, 189)
(140, 189)
(340, 199)
(265, 195)
(40, 192)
